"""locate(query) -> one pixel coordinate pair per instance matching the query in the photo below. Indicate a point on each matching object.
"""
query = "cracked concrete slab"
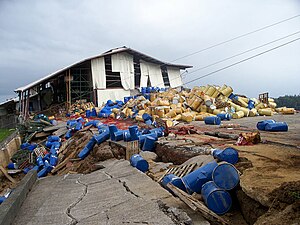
(117, 194)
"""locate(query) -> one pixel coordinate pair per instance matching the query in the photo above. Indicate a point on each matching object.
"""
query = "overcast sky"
(40, 37)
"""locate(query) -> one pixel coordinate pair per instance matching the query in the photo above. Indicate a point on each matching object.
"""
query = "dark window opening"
(165, 75)
(137, 72)
(113, 79)
(148, 82)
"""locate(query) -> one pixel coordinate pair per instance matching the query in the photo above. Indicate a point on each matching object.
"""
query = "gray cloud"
(39, 37)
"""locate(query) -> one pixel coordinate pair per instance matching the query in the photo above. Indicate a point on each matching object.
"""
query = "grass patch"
(4, 133)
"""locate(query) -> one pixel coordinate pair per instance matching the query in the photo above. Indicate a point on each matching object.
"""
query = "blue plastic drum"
(277, 127)
(216, 199)
(176, 181)
(194, 180)
(226, 176)
(133, 130)
(261, 125)
(212, 120)
(229, 155)
(149, 144)
(139, 162)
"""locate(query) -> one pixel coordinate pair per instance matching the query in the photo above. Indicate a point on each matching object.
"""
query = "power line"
(221, 43)
(231, 57)
(232, 39)
(249, 50)
(241, 61)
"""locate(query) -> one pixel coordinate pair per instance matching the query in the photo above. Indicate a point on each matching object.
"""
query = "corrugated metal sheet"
(110, 52)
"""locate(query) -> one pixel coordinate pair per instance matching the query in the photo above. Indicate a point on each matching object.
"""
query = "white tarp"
(154, 72)
(174, 77)
(98, 73)
(111, 94)
(123, 63)
(144, 73)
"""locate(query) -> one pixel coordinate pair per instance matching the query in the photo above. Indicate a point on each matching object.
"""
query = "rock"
(177, 151)
(102, 152)
(148, 155)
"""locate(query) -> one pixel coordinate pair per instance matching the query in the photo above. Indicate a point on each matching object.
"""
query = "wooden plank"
(181, 170)
(197, 205)
(7, 175)
(184, 170)
(165, 173)
(53, 128)
(60, 131)
(190, 169)
(41, 135)
(132, 148)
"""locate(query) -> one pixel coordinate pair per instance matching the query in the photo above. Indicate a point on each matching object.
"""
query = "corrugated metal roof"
(110, 52)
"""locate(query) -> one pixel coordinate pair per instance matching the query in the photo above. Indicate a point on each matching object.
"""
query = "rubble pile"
(191, 105)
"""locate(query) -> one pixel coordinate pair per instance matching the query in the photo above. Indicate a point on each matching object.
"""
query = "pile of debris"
(188, 105)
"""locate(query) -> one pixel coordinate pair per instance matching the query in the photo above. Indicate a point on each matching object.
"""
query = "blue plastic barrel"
(143, 90)
(212, 120)
(251, 104)
(112, 129)
(261, 125)
(2, 199)
(53, 160)
(148, 89)
(229, 155)
(39, 161)
(126, 136)
(12, 166)
(110, 103)
(89, 147)
(224, 116)
(25, 145)
(278, 126)
(139, 162)
(149, 144)
(231, 96)
(88, 113)
(146, 116)
(194, 180)
(119, 135)
(217, 200)
(69, 134)
(53, 138)
(158, 131)
(176, 181)
(226, 176)
(46, 157)
(94, 112)
(133, 130)
(100, 138)
(143, 137)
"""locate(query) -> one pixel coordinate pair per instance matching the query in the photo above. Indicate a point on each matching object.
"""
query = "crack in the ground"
(128, 189)
(122, 182)
(68, 211)
(138, 222)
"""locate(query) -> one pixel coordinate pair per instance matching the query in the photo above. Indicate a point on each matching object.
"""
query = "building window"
(165, 75)
(137, 72)
(113, 79)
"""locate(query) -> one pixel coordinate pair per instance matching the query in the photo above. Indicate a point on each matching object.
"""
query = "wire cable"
(235, 38)
(241, 61)
(224, 42)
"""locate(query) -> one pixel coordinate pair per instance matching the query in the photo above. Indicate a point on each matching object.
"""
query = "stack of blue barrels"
(213, 181)
(146, 91)
(106, 111)
(49, 161)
